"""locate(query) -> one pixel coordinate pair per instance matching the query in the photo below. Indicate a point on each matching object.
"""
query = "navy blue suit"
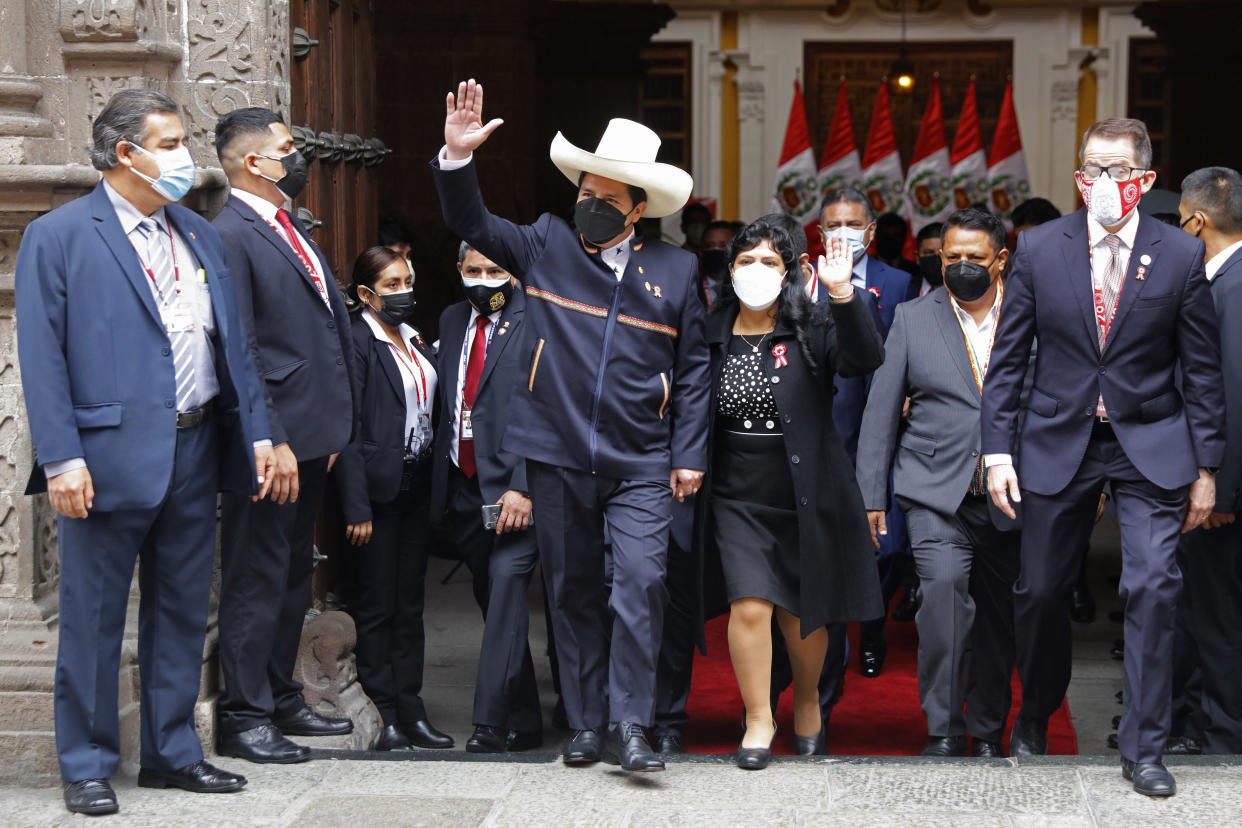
(615, 396)
(1149, 453)
(99, 383)
(302, 350)
(505, 692)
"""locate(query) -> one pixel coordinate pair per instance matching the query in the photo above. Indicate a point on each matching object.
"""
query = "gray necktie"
(1110, 285)
(160, 262)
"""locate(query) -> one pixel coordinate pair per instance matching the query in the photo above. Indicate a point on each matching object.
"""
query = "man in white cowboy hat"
(612, 416)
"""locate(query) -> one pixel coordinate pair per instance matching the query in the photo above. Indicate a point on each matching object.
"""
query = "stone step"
(29, 758)
(25, 711)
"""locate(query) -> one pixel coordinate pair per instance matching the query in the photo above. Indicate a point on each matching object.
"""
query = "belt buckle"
(1103, 420)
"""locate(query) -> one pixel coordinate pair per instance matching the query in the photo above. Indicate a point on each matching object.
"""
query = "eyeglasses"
(1090, 172)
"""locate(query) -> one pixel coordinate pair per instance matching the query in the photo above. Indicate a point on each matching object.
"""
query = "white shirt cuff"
(447, 165)
(58, 468)
(990, 460)
(259, 443)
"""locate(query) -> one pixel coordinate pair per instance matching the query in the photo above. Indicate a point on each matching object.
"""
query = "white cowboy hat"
(627, 153)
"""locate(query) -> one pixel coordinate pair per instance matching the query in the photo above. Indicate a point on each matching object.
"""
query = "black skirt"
(754, 518)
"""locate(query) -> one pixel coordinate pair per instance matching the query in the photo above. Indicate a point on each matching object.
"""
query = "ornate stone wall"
(60, 61)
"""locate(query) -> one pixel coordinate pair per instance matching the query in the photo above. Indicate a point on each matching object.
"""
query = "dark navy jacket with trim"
(617, 380)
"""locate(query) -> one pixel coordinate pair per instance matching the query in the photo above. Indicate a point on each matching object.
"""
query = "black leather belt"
(1101, 427)
(195, 418)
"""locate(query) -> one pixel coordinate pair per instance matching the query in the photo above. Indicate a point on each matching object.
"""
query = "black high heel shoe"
(755, 758)
(811, 745)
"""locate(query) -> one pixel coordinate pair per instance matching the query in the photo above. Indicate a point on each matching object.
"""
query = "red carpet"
(875, 717)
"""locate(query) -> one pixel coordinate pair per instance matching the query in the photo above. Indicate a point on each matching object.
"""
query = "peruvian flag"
(797, 193)
(881, 164)
(1007, 177)
(929, 196)
(970, 166)
(840, 165)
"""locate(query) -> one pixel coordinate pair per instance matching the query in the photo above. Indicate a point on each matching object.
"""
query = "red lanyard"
(422, 376)
(976, 369)
(176, 269)
(304, 257)
(1103, 318)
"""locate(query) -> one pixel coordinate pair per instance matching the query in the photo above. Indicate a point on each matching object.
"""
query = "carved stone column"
(753, 189)
(60, 61)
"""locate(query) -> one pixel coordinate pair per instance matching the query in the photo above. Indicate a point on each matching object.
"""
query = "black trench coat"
(839, 582)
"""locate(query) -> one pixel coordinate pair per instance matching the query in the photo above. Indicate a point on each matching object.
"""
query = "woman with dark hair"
(783, 514)
(385, 481)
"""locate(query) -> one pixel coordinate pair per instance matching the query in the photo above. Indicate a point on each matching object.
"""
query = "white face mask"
(176, 172)
(757, 285)
(853, 238)
(490, 283)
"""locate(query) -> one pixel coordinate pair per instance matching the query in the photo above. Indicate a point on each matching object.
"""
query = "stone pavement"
(832, 791)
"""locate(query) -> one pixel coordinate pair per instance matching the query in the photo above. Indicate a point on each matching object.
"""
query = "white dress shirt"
(1100, 258)
(463, 361)
(1215, 263)
(419, 385)
(980, 334)
(267, 212)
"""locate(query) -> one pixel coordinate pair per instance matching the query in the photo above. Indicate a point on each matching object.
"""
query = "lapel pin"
(506, 324)
(1142, 273)
(501, 332)
(193, 236)
(778, 352)
(647, 285)
(656, 291)
(1145, 259)
(640, 270)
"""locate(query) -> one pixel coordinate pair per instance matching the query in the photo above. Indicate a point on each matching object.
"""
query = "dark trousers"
(266, 563)
(1054, 535)
(603, 638)
(506, 694)
(1211, 616)
(175, 544)
(390, 573)
(967, 568)
(675, 665)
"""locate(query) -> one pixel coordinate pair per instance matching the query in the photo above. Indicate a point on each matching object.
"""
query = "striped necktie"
(160, 268)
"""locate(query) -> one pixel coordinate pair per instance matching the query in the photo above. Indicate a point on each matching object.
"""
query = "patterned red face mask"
(1108, 201)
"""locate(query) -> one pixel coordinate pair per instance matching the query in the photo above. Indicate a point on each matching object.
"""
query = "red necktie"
(474, 371)
(296, 243)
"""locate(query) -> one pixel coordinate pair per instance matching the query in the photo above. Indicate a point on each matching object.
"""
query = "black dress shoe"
(1149, 778)
(90, 796)
(488, 739)
(816, 745)
(422, 734)
(1116, 722)
(668, 743)
(200, 777)
(307, 722)
(626, 745)
(1183, 746)
(1028, 738)
(909, 606)
(1082, 605)
(871, 658)
(583, 748)
(263, 744)
(753, 758)
(1112, 742)
(391, 738)
(944, 746)
(983, 749)
(519, 740)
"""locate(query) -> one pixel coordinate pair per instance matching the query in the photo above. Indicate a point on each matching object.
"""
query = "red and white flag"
(929, 195)
(839, 164)
(797, 192)
(881, 164)
(969, 173)
(1007, 178)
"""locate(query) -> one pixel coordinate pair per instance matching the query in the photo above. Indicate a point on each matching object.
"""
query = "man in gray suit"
(965, 551)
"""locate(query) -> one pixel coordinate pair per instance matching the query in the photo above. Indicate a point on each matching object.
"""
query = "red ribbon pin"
(778, 351)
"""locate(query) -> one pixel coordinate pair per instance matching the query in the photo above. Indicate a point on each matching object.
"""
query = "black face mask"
(486, 299)
(715, 262)
(932, 269)
(395, 308)
(598, 221)
(967, 281)
(293, 182)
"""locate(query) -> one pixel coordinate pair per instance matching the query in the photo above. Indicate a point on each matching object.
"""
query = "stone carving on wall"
(9, 241)
(276, 44)
(1064, 100)
(221, 67)
(98, 20)
(47, 558)
(329, 678)
(159, 19)
(101, 88)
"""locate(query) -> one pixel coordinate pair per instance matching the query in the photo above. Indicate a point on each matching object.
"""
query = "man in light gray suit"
(965, 550)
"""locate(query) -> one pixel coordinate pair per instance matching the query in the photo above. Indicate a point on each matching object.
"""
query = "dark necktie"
(474, 371)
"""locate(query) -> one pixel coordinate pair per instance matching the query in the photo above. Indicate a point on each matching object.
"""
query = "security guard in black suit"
(612, 413)
(299, 334)
(481, 362)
